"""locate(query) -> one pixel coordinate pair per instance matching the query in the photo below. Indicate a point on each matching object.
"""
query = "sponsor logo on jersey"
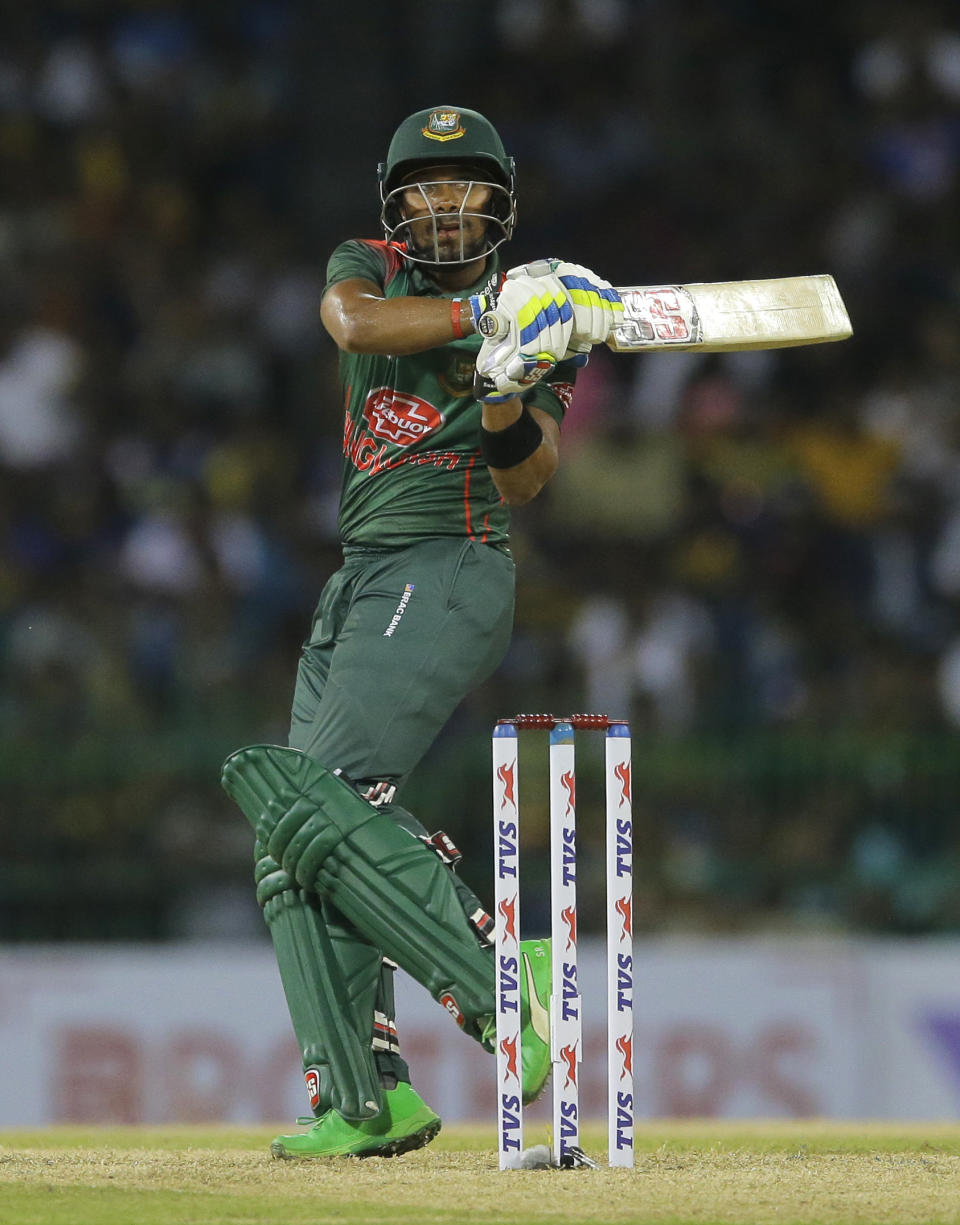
(443, 125)
(399, 416)
(369, 454)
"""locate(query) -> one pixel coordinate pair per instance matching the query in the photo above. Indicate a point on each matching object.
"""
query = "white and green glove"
(526, 332)
(596, 304)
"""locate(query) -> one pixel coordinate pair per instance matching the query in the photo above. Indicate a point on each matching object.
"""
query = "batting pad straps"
(511, 446)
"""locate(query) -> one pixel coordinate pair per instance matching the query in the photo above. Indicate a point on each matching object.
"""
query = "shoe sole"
(392, 1148)
(406, 1144)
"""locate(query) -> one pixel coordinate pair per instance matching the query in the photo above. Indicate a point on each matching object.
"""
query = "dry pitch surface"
(749, 1174)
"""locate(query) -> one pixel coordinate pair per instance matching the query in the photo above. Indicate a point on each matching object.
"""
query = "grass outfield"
(744, 1173)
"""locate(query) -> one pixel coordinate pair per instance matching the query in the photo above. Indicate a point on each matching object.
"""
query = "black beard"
(431, 253)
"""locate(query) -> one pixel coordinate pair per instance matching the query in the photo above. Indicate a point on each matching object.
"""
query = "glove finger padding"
(526, 334)
(596, 304)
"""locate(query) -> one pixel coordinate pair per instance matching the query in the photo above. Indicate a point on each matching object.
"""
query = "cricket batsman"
(455, 381)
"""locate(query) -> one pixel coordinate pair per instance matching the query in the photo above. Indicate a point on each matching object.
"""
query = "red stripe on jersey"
(390, 253)
(466, 496)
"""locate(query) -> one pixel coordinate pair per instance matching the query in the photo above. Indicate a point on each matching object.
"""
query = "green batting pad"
(330, 977)
(387, 882)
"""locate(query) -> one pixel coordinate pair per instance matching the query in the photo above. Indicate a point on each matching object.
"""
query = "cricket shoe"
(536, 981)
(536, 978)
(406, 1122)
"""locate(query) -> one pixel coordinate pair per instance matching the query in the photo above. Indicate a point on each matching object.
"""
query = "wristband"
(511, 446)
(456, 317)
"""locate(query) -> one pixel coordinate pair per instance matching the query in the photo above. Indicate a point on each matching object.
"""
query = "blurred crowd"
(756, 556)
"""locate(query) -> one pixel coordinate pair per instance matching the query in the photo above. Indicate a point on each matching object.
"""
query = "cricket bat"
(773, 314)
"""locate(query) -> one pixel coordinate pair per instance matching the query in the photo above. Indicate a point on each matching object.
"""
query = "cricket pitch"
(749, 1173)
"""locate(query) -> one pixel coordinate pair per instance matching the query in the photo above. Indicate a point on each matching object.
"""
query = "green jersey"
(411, 434)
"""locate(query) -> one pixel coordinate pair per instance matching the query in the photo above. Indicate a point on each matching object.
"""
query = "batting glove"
(596, 304)
(526, 333)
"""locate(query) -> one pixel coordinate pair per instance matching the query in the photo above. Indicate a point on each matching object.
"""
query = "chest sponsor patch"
(400, 417)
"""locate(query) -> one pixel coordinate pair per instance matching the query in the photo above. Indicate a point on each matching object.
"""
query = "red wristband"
(456, 306)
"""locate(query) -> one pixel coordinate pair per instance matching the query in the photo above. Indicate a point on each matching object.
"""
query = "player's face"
(445, 212)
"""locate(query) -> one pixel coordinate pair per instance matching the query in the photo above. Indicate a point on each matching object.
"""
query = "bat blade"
(727, 315)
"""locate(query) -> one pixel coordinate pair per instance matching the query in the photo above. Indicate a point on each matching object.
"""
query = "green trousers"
(398, 639)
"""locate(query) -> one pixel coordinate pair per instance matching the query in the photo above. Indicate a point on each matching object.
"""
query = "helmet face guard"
(448, 137)
(421, 235)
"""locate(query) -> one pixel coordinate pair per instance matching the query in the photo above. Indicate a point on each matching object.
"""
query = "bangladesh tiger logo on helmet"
(443, 125)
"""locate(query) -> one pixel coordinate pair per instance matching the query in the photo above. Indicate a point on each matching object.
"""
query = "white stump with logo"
(506, 832)
(620, 1093)
(565, 1004)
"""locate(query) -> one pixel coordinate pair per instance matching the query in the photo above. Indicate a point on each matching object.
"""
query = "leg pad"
(387, 882)
(330, 977)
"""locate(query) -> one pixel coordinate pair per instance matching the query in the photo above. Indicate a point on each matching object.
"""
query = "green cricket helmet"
(447, 136)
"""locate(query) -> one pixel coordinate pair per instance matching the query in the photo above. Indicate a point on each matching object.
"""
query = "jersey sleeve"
(554, 392)
(368, 258)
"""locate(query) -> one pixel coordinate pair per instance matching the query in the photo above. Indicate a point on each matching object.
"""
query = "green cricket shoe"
(405, 1123)
(535, 985)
